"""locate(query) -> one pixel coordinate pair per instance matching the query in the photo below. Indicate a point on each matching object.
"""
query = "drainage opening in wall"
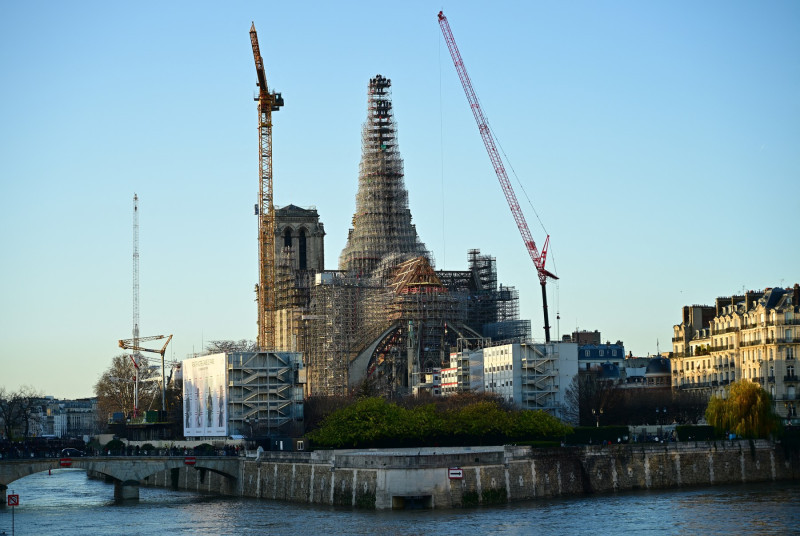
(412, 502)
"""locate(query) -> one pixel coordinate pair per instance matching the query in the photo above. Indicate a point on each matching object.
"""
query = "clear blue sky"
(659, 143)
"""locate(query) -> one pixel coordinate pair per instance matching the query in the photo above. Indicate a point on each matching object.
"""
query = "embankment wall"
(378, 479)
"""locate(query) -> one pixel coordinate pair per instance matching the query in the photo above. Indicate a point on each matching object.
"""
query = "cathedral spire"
(382, 221)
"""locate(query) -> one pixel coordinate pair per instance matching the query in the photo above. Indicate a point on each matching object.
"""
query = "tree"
(19, 410)
(115, 387)
(587, 396)
(222, 347)
(746, 411)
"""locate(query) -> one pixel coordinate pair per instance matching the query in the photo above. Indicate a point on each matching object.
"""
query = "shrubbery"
(116, 447)
(376, 423)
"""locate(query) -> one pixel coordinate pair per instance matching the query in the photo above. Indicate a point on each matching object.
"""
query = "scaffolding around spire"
(382, 220)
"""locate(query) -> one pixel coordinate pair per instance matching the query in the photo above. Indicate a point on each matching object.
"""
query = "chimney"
(796, 295)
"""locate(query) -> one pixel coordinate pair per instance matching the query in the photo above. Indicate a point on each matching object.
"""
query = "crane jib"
(483, 127)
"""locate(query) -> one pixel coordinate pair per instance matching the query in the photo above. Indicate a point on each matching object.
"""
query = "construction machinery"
(488, 140)
(133, 344)
(268, 102)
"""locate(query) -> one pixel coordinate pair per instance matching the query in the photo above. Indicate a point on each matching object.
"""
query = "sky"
(657, 143)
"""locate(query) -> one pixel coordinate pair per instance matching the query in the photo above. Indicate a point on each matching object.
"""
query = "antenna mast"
(136, 356)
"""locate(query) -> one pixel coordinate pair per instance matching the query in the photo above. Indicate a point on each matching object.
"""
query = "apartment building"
(754, 337)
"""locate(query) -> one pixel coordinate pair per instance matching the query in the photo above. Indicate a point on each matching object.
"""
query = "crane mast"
(135, 356)
(267, 103)
(537, 257)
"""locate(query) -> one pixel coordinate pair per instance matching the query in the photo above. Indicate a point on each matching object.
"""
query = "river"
(68, 503)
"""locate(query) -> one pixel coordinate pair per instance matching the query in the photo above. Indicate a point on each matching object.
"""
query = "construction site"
(386, 315)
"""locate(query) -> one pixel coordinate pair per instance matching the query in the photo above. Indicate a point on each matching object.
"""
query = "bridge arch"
(127, 472)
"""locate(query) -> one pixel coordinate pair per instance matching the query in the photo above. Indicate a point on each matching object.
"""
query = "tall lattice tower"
(382, 221)
(136, 356)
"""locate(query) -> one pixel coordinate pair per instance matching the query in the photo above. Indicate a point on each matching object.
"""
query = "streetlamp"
(597, 413)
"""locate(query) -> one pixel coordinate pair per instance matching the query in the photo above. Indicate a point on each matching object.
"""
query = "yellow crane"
(133, 344)
(268, 102)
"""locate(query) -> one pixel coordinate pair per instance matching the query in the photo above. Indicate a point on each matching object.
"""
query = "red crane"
(483, 126)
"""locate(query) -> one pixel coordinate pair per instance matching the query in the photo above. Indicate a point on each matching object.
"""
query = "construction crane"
(133, 344)
(135, 356)
(267, 103)
(488, 140)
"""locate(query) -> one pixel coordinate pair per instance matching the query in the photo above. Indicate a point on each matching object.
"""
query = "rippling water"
(68, 503)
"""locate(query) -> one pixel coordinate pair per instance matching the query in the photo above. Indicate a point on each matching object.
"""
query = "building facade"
(526, 375)
(753, 337)
(247, 394)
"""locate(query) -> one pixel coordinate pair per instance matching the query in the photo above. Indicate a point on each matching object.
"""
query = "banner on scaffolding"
(205, 399)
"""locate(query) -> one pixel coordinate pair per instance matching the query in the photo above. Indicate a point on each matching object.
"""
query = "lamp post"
(661, 417)
(597, 413)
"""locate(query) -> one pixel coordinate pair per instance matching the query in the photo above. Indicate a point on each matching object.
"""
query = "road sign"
(189, 460)
(65, 462)
(455, 473)
(13, 500)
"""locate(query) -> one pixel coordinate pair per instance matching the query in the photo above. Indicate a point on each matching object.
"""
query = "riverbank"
(471, 476)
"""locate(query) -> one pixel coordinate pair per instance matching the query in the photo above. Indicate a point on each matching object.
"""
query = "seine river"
(67, 503)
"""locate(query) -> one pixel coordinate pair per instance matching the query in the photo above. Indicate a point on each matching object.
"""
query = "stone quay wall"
(383, 478)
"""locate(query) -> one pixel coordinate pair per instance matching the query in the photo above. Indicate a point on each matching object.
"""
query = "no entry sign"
(13, 500)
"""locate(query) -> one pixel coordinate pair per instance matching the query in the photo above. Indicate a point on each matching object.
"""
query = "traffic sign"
(13, 500)
(65, 462)
(189, 460)
(455, 473)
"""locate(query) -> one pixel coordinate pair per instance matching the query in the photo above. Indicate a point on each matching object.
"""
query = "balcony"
(790, 378)
(751, 343)
(677, 339)
(781, 322)
(771, 379)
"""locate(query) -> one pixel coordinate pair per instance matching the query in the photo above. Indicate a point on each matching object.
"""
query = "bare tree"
(222, 347)
(19, 410)
(115, 387)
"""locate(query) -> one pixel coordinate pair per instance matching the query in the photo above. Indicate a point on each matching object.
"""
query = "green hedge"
(376, 423)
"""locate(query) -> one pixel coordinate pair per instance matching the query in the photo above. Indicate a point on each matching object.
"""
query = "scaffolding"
(382, 220)
(265, 391)
(386, 309)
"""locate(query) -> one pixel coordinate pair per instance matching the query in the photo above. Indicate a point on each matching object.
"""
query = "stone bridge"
(125, 471)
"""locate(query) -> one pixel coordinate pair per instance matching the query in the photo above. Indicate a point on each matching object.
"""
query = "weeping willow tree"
(746, 411)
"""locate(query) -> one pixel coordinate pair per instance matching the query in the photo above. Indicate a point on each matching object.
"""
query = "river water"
(68, 503)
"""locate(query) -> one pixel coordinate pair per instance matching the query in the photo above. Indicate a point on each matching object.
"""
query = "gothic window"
(302, 255)
(287, 238)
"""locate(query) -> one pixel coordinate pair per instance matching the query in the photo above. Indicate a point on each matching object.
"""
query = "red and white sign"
(189, 460)
(13, 500)
(455, 473)
(65, 462)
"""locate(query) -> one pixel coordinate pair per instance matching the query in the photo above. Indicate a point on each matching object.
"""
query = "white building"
(252, 394)
(527, 375)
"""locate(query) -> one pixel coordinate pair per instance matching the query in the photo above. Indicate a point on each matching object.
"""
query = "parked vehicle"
(72, 453)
